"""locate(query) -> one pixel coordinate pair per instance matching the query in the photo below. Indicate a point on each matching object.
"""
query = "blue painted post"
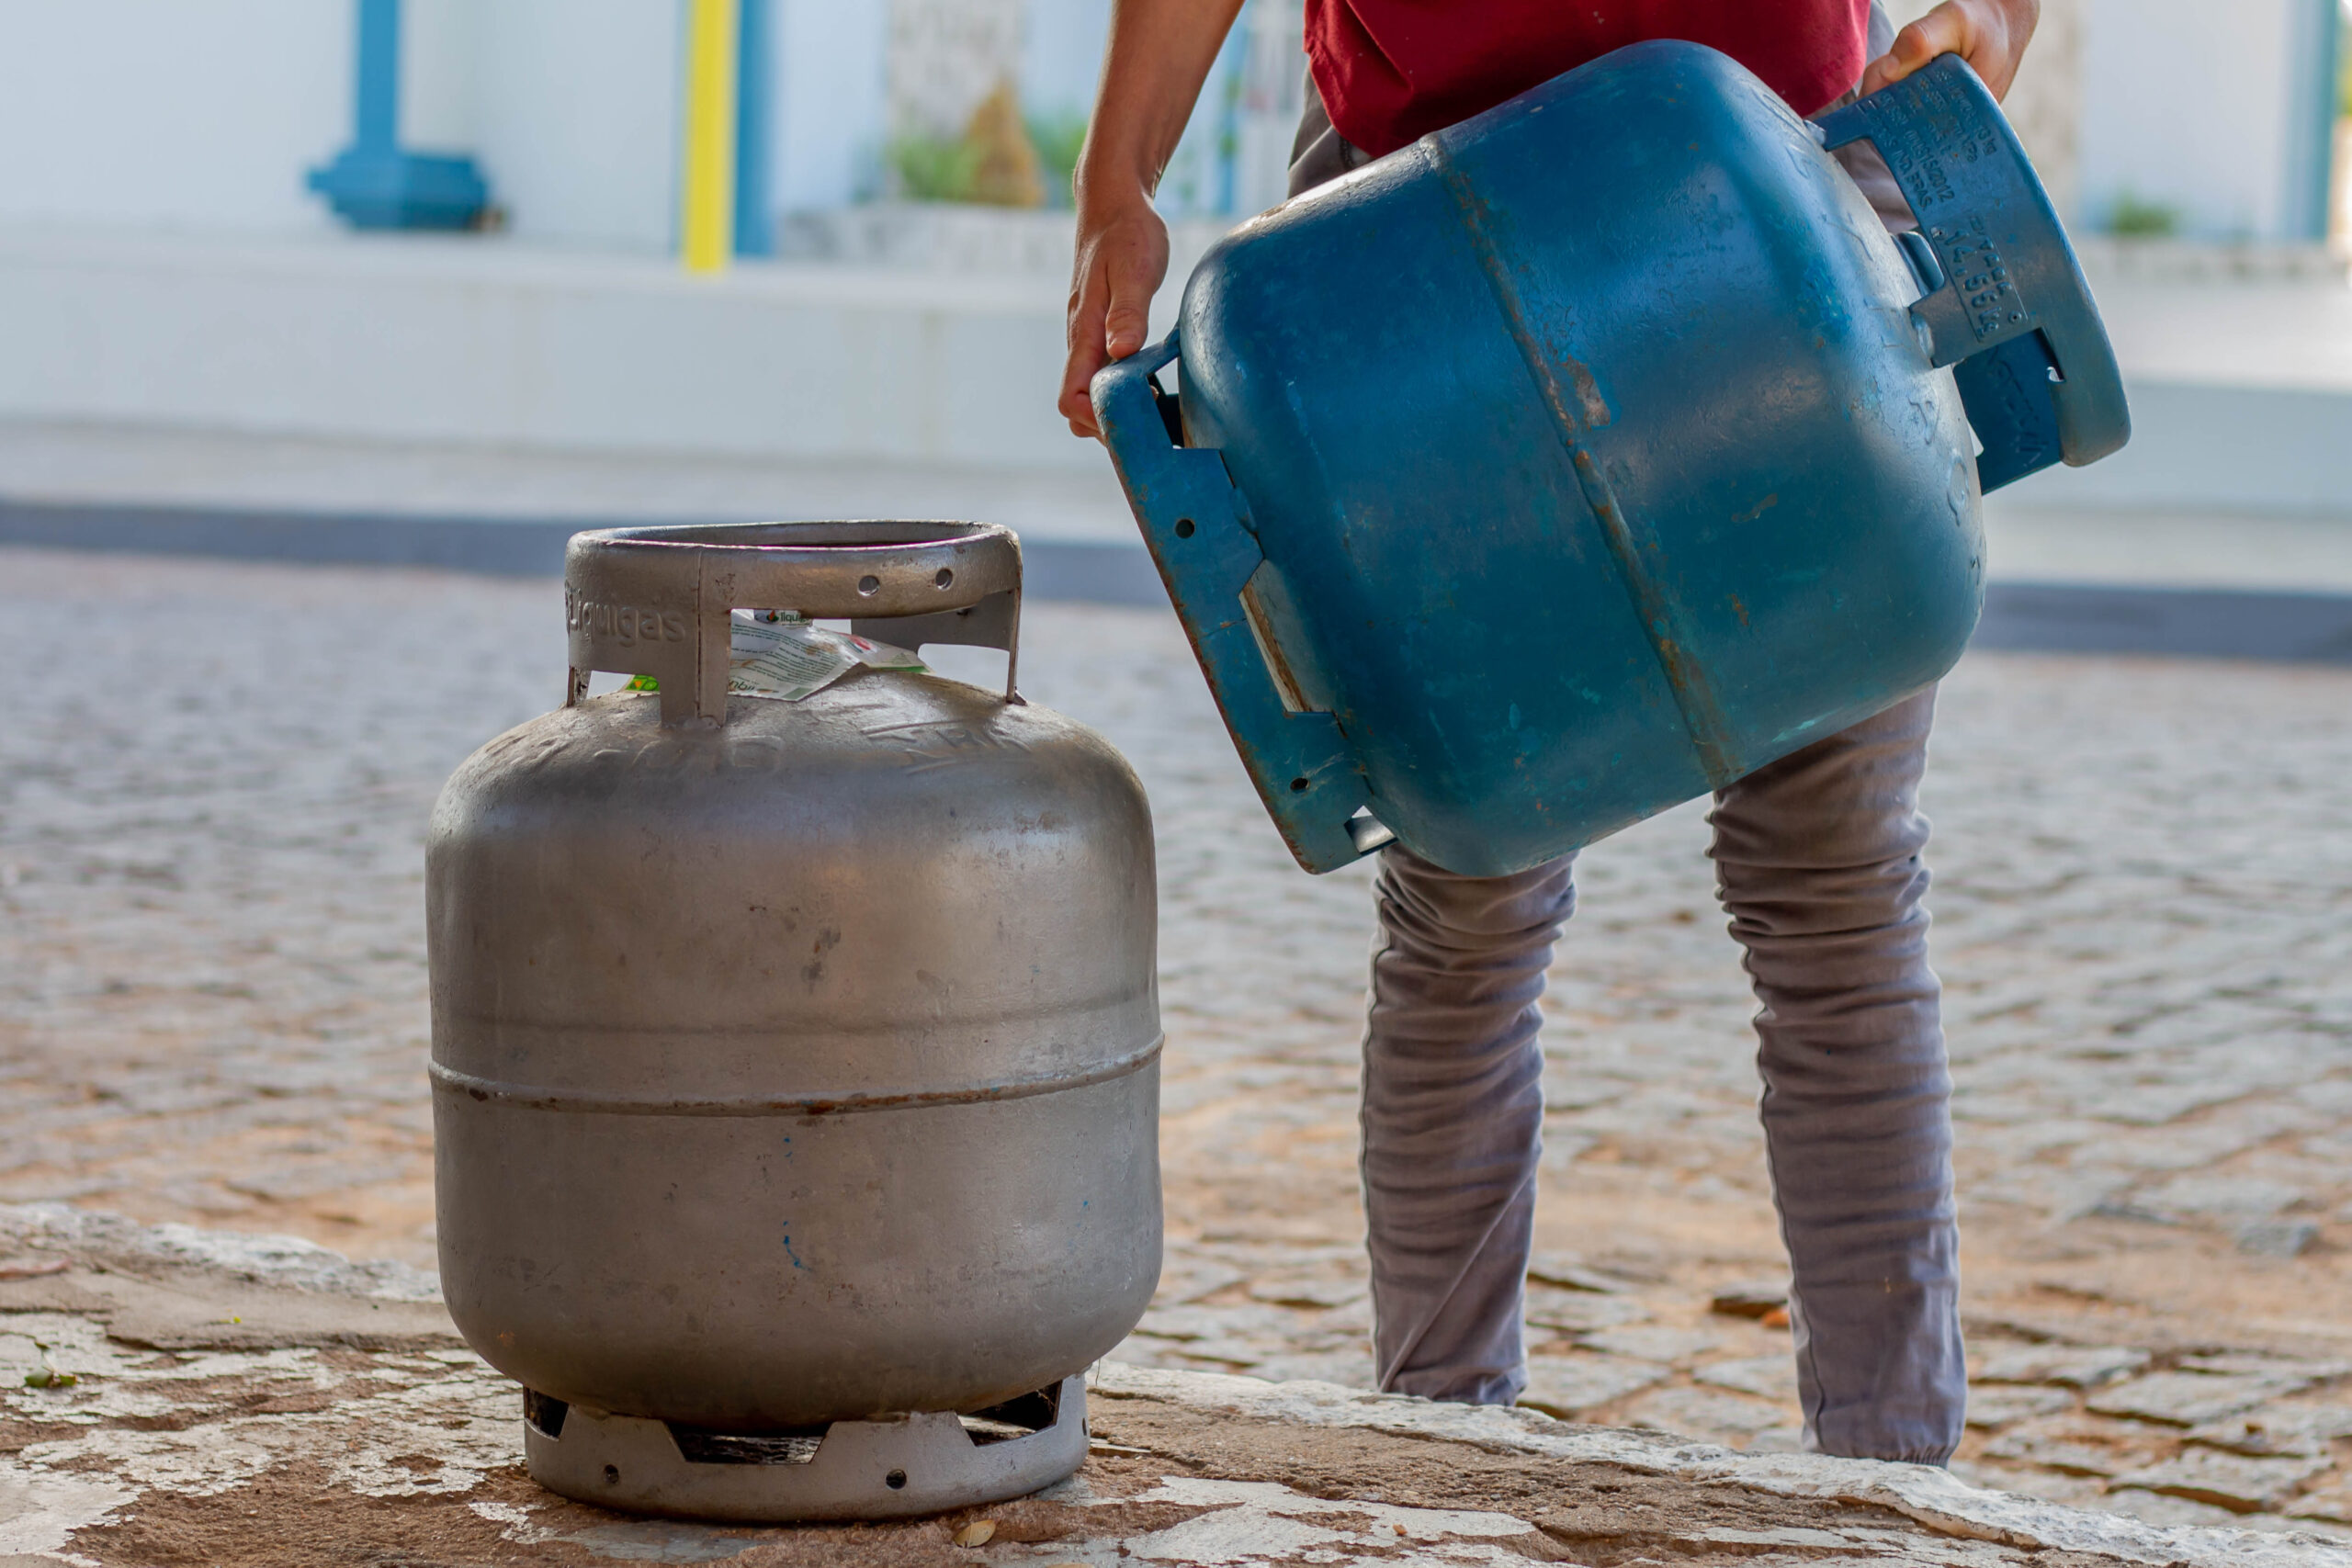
(2319, 181)
(372, 183)
(376, 92)
(755, 120)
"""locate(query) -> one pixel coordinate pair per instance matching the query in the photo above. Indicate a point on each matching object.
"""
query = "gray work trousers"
(1817, 859)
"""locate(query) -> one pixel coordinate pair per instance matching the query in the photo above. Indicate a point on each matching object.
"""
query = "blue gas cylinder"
(1596, 451)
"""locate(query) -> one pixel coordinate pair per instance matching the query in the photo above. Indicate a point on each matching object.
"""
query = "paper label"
(774, 654)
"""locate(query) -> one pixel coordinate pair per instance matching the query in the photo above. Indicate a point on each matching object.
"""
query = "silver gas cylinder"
(795, 1064)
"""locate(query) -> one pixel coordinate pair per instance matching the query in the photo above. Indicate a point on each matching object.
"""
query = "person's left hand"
(1991, 35)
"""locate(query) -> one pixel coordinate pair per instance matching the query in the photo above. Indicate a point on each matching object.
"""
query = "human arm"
(1991, 35)
(1160, 53)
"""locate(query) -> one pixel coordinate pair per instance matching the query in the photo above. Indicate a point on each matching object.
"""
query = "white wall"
(199, 113)
(208, 113)
(832, 83)
(576, 112)
(1061, 59)
(440, 84)
(446, 339)
(2193, 105)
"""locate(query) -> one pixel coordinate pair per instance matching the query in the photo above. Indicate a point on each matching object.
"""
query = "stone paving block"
(2332, 1503)
(2170, 1512)
(2239, 1482)
(296, 1180)
(1349, 1368)
(2032, 1480)
(1573, 1273)
(2075, 1445)
(1148, 1350)
(2185, 1399)
(2280, 1429)
(1566, 1385)
(1292, 1292)
(1223, 1353)
(1354, 1319)
(2151, 1105)
(1752, 1298)
(1192, 1323)
(2230, 1197)
(1654, 1342)
(2277, 1238)
(1579, 1312)
(1188, 1280)
(2062, 1196)
(2072, 1366)
(1999, 1404)
(1772, 1377)
(2165, 1145)
(2261, 1364)
(1716, 1415)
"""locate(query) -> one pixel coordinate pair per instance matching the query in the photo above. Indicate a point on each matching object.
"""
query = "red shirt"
(1393, 71)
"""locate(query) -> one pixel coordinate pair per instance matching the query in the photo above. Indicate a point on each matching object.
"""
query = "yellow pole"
(706, 214)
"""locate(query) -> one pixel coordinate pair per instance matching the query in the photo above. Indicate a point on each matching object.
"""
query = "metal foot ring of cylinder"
(895, 1467)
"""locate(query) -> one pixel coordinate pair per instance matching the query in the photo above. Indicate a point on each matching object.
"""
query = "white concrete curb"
(1934, 1498)
(286, 1262)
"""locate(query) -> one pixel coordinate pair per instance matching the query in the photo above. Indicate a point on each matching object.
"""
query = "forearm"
(1159, 55)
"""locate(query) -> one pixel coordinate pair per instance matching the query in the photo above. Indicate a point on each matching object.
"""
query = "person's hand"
(1991, 35)
(1122, 258)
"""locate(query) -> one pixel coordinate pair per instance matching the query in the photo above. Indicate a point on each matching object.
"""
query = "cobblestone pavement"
(212, 785)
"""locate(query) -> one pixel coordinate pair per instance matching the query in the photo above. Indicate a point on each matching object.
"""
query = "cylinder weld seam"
(1629, 541)
(525, 1096)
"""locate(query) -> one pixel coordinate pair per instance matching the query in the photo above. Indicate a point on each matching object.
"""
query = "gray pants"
(1818, 861)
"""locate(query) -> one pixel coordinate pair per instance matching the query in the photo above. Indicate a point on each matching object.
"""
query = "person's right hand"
(1122, 258)
(1991, 35)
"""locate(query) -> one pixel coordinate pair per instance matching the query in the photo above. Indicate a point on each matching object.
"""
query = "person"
(1817, 856)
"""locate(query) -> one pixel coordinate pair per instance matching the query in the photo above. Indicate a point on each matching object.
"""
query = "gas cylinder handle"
(656, 601)
(2014, 314)
(1192, 521)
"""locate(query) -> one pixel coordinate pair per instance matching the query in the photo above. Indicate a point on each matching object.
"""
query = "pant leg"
(1453, 1120)
(1318, 152)
(1452, 1077)
(1818, 860)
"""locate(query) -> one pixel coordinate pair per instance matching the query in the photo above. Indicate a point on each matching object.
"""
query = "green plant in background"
(2344, 74)
(1057, 139)
(997, 162)
(2134, 217)
(932, 168)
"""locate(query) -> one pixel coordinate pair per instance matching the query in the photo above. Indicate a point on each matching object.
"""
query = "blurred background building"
(2148, 116)
(838, 230)
(208, 113)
